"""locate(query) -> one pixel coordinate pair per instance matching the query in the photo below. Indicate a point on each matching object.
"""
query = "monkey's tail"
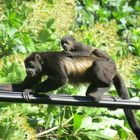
(124, 94)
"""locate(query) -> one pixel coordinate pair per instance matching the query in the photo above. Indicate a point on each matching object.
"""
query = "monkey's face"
(33, 66)
(67, 43)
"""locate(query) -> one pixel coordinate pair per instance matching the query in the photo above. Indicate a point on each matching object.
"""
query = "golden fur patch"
(77, 67)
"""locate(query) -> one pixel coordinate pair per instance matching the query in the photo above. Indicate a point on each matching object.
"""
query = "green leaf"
(123, 21)
(108, 133)
(89, 2)
(127, 8)
(86, 123)
(20, 48)
(50, 23)
(77, 121)
(44, 35)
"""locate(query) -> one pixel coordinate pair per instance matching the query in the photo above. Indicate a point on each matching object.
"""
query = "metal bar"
(9, 96)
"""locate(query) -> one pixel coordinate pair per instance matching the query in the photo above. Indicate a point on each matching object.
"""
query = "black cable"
(9, 96)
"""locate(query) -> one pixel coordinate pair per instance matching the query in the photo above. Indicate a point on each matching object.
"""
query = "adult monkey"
(60, 69)
(73, 48)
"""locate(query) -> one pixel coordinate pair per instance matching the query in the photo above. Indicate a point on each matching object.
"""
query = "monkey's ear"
(37, 57)
(72, 37)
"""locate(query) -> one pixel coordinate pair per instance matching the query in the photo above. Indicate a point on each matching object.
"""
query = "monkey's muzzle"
(30, 72)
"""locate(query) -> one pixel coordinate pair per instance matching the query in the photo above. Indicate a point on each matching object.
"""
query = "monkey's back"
(77, 68)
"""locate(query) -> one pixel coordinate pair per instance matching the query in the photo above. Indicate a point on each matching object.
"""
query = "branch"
(54, 128)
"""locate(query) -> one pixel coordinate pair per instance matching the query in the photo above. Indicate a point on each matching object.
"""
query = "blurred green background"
(38, 25)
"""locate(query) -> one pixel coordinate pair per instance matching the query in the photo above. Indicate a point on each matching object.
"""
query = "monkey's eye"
(66, 41)
(30, 65)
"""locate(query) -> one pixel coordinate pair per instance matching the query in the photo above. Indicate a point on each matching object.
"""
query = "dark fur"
(60, 69)
(74, 48)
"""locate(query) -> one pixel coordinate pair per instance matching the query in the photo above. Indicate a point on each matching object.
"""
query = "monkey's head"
(33, 64)
(68, 42)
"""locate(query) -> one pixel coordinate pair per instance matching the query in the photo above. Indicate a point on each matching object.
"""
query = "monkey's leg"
(96, 92)
(103, 72)
(100, 53)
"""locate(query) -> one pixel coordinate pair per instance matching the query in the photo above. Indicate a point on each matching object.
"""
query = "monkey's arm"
(58, 79)
(88, 52)
(28, 83)
(77, 53)
(48, 85)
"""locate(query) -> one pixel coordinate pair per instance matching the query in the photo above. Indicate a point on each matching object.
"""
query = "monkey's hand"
(25, 94)
(69, 54)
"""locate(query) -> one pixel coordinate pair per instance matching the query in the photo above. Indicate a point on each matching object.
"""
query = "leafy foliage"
(37, 25)
(126, 14)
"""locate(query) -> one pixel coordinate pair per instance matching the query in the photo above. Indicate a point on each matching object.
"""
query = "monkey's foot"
(105, 97)
(95, 97)
(25, 94)
(110, 97)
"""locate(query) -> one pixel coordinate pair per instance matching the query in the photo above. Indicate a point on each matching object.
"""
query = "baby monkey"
(74, 48)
